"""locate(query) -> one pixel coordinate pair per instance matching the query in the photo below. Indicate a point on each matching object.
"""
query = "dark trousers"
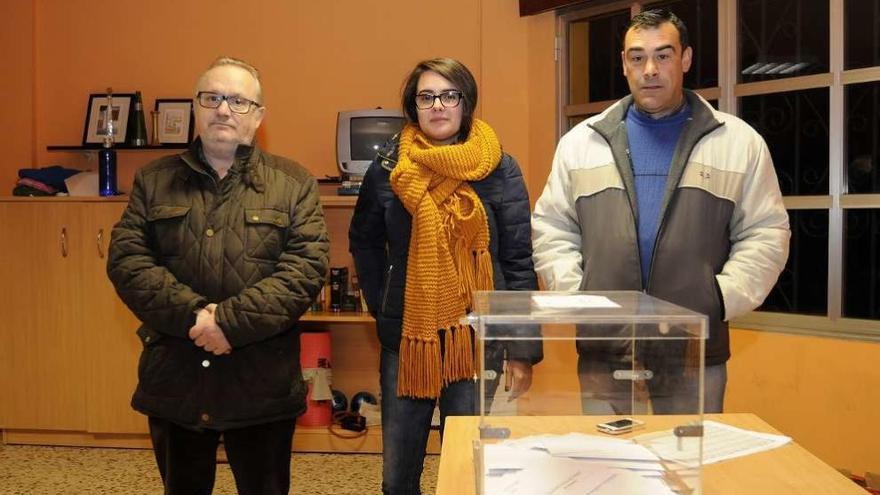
(670, 393)
(259, 456)
(406, 423)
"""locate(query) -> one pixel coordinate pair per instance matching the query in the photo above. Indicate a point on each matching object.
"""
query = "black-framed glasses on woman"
(448, 99)
(237, 104)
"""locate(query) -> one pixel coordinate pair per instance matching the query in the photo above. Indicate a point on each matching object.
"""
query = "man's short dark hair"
(458, 75)
(652, 19)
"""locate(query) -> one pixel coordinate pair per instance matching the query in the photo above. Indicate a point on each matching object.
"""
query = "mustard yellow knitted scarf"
(448, 254)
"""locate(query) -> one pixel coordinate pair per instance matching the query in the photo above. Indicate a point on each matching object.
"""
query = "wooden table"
(790, 469)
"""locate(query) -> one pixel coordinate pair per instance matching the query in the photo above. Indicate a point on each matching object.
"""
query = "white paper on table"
(504, 457)
(544, 440)
(550, 476)
(582, 445)
(499, 456)
(720, 442)
(573, 301)
(628, 482)
(567, 441)
(626, 452)
(645, 468)
(571, 464)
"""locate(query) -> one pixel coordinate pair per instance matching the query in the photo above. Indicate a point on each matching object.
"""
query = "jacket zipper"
(387, 286)
(631, 211)
(666, 213)
(642, 283)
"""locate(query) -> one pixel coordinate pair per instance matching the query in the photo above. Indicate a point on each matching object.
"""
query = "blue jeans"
(406, 423)
(602, 394)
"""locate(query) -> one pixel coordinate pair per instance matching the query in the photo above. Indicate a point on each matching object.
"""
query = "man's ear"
(623, 61)
(687, 57)
(260, 113)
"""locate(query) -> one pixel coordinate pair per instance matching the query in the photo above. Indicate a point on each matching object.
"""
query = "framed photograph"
(96, 112)
(175, 121)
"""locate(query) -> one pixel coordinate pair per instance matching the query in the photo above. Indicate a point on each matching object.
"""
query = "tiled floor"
(29, 470)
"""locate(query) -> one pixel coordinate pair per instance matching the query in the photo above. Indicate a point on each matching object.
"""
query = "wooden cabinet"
(41, 345)
(68, 349)
(113, 345)
(63, 327)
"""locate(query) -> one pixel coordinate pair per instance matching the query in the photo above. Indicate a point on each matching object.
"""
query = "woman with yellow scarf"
(442, 212)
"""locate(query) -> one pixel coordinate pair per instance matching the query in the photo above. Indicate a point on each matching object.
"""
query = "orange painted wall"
(17, 117)
(822, 392)
(542, 101)
(316, 58)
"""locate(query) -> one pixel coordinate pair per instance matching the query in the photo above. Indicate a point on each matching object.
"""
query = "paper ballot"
(577, 463)
(571, 464)
(573, 301)
(548, 476)
(720, 442)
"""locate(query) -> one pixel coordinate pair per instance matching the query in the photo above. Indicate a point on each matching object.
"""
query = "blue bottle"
(107, 172)
(107, 155)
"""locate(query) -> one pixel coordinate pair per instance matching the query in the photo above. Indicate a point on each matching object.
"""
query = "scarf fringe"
(484, 272)
(474, 273)
(458, 362)
(419, 375)
(467, 276)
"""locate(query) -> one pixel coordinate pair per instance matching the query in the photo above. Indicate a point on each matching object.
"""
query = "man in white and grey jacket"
(664, 194)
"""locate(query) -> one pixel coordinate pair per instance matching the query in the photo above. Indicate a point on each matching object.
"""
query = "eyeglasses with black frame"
(448, 99)
(237, 104)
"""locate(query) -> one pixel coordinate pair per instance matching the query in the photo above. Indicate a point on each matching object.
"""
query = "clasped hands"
(207, 334)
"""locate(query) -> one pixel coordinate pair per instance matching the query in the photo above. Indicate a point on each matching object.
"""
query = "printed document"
(720, 442)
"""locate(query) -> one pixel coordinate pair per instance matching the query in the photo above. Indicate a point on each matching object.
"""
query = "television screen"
(360, 134)
(368, 134)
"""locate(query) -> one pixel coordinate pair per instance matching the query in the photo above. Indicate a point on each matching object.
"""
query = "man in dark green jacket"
(220, 251)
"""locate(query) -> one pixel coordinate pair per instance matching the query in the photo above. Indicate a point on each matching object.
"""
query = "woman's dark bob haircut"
(458, 75)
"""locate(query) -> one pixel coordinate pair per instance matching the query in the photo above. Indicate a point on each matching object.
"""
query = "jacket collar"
(387, 155)
(702, 116)
(612, 127)
(247, 159)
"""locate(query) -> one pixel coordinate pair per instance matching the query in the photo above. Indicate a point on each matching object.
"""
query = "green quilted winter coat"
(254, 243)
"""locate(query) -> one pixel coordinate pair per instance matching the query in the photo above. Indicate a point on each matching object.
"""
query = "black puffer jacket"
(380, 233)
(255, 243)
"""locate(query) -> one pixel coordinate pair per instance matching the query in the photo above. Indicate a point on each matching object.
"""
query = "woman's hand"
(519, 377)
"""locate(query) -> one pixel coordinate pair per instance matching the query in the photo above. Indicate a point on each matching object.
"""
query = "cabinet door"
(110, 327)
(41, 345)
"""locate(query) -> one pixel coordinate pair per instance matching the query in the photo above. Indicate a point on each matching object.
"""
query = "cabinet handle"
(101, 243)
(64, 242)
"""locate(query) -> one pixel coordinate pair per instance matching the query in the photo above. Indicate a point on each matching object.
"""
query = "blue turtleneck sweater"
(652, 143)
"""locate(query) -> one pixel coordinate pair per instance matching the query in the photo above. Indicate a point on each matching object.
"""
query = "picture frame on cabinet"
(174, 123)
(95, 127)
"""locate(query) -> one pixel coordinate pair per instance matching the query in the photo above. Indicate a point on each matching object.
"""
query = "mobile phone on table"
(619, 426)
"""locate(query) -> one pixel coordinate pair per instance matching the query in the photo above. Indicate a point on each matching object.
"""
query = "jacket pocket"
(165, 368)
(717, 303)
(268, 370)
(265, 233)
(167, 225)
(148, 336)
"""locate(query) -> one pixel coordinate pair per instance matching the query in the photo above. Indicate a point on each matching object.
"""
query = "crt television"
(360, 134)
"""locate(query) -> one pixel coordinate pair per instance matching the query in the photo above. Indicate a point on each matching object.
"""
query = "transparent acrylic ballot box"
(607, 357)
